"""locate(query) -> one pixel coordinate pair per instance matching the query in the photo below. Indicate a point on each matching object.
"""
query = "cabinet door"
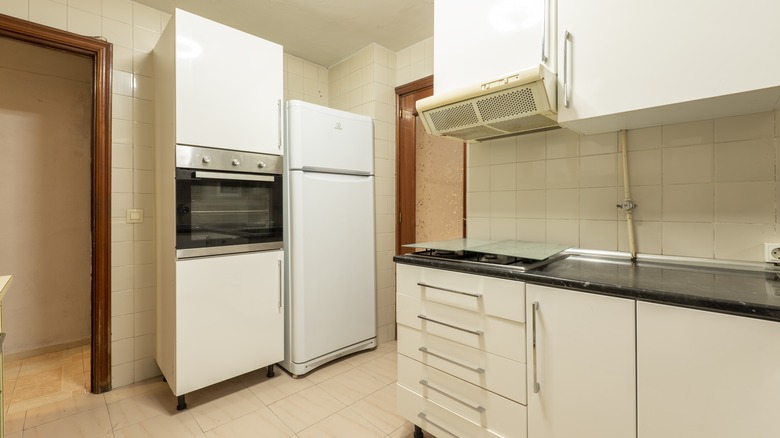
(477, 41)
(228, 87)
(229, 317)
(706, 375)
(644, 55)
(584, 364)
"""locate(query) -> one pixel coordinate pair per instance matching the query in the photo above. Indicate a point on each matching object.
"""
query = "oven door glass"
(223, 212)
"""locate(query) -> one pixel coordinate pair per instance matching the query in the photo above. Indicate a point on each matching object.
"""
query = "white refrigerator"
(329, 236)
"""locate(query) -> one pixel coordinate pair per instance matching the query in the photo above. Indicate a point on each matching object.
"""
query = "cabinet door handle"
(535, 309)
(423, 416)
(476, 370)
(477, 408)
(545, 22)
(473, 332)
(566, 39)
(279, 123)
(450, 290)
(279, 265)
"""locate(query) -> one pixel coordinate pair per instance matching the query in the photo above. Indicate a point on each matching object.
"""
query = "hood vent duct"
(519, 103)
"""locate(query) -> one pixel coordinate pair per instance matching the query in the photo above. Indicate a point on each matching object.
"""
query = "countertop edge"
(713, 304)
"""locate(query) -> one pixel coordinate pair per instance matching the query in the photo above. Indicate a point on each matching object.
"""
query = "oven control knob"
(235, 162)
(206, 159)
(261, 164)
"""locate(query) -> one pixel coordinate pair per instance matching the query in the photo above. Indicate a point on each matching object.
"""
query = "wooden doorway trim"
(406, 173)
(101, 54)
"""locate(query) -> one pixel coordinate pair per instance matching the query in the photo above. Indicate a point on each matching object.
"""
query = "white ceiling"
(320, 31)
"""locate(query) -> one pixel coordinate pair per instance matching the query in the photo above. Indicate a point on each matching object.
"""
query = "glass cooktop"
(519, 249)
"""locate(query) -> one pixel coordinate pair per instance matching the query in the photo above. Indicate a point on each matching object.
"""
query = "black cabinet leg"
(270, 372)
(418, 433)
(182, 404)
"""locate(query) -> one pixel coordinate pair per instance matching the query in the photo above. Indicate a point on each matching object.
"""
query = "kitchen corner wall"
(704, 189)
(133, 29)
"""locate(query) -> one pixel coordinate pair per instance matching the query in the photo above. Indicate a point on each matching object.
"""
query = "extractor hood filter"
(509, 106)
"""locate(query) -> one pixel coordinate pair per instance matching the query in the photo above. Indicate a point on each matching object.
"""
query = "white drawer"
(485, 332)
(495, 373)
(493, 296)
(498, 414)
(438, 420)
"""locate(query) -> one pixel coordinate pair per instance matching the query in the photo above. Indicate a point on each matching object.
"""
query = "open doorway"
(430, 176)
(99, 169)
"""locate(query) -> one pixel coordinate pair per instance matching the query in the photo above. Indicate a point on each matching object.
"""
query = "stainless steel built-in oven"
(227, 201)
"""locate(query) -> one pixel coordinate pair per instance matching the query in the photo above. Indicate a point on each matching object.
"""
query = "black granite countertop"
(750, 293)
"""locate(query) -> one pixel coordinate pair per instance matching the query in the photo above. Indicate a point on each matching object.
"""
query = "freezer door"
(332, 263)
(328, 139)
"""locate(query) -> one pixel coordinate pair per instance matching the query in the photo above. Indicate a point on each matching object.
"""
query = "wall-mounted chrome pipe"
(628, 205)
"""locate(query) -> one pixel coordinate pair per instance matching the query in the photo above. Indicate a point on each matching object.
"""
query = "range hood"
(519, 103)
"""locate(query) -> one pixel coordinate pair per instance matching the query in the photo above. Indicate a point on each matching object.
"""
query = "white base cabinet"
(581, 353)
(461, 353)
(706, 375)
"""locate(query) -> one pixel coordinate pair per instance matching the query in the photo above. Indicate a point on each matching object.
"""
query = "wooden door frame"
(406, 177)
(101, 54)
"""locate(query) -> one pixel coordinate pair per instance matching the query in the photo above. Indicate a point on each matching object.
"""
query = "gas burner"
(442, 252)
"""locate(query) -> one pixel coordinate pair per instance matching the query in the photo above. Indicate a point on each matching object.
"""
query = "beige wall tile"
(15, 8)
(478, 154)
(599, 235)
(503, 151)
(644, 167)
(685, 134)
(688, 203)
(645, 138)
(478, 227)
(503, 228)
(531, 204)
(531, 175)
(478, 179)
(687, 164)
(749, 202)
(562, 173)
(691, 239)
(562, 143)
(532, 147)
(503, 177)
(84, 23)
(598, 170)
(648, 200)
(49, 13)
(742, 241)
(563, 231)
(563, 204)
(599, 144)
(747, 127)
(598, 203)
(750, 160)
(477, 204)
(647, 235)
(503, 204)
(533, 230)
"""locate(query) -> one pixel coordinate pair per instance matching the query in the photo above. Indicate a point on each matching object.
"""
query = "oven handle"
(233, 176)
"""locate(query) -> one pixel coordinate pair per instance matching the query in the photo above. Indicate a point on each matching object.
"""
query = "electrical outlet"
(772, 252)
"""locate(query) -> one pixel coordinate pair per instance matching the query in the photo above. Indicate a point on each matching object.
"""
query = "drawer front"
(495, 373)
(478, 405)
(492, 296)
(437, 420)
(485, 332)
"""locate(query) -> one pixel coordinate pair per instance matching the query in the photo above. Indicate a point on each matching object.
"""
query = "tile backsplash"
(703, 189)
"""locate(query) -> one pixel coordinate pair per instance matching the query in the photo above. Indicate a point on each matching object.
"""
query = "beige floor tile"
(388, 347)
(358, 359)
(351, 386)
(306, 408)
(55, 411)
(327, 371)
(53, 375)
(11, 369)
(345, 423)
(224, 409)
(142, 407)
(248, 426)
(92, 423)
(17, 434)
(407, 431)
(124, 392)
(34, 397)
(180, 425)
(380, 409)
(271, 390)
(14, 422)
(73, 381)
(384, 368)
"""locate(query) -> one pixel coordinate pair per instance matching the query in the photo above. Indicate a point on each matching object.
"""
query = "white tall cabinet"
(706, 375)
(229, 87)
(581, 364)
(624, 63)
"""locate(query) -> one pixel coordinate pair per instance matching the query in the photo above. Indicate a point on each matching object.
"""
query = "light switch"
(135, 216)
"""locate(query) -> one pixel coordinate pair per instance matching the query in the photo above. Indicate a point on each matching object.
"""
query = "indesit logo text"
(338, 126)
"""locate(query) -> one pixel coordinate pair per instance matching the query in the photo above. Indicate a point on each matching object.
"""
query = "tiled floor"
(352, 397)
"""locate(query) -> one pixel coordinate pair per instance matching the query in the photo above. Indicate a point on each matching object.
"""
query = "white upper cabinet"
(478, 41)
(631, 64)
(229, 87)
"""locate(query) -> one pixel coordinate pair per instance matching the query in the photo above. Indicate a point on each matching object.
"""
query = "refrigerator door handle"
(335, 171)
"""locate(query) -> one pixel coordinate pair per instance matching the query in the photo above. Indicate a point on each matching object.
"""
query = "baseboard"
(21, 355)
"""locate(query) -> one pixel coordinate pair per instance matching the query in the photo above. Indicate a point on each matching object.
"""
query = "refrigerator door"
(325, 139)
(332, 291)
